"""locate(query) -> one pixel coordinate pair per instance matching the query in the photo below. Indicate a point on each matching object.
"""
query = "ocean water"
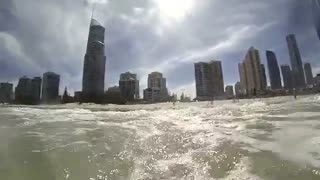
(276, 139)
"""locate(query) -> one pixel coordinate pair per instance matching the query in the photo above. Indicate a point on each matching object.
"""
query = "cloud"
(149, 35)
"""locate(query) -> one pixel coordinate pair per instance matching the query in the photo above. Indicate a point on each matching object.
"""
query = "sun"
(174, 9)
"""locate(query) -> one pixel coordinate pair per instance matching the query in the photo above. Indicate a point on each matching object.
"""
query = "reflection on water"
(253, 139)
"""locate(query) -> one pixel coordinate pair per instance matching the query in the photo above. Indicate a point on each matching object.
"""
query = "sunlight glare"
(174, 9)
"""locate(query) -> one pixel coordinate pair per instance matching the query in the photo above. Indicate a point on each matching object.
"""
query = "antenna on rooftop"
(93, 8)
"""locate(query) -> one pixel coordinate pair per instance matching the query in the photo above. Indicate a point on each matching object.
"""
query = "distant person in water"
(294, 93)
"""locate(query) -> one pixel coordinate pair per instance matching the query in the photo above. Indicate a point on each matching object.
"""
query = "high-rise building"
(77, 96)
(28, 90)
(129, 86)
(309, 75)
(250, 72)
(157, 88)
(296, 62)
(209, 80)
(316, 15)
(50, 87)
(287, 77)
(274, 71)
(316, 81)
(114, 89)
(156, 80)
(94, 65)
(237, 88)
(263, 77)
(36, 89)
(6, 92)
(229, 92)
(243, 79)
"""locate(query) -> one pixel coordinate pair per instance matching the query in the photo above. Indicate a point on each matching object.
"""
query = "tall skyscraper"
(309, 75)
(263, 77)
(157, 88)
(274, 71)
(250, 72)
(243, 78)
(237, 88)
(129, 86)
(50, 87)
(36, 89)
(287, 77)
(209, 80)
(28, 90)
(296, 62)
(316, 15)
(94, 65)
(6, 92)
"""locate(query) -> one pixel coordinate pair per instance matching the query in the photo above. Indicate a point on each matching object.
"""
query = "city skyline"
(175, 63)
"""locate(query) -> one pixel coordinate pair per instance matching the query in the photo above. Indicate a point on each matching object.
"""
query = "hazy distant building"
(316, 15)
(152, 94)
(296, 62)
(114, 89)
(157, 88)
(316, 81)
(274, 71)
(77, 96)
(237, 88)
(94, 65)
(243, 79)
(23, 90)
(263, 77)
(129, 86)
(50, 87)
(229, 92)
(28, 90)
(36, 89)
(250, 73)
(309, 75)
(209, 80)
(114, 96)
(6, 92)
(287, 77)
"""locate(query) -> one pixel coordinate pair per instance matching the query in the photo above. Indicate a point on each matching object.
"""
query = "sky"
(142, 36)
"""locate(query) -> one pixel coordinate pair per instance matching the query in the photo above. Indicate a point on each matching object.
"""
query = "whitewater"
(275, 138)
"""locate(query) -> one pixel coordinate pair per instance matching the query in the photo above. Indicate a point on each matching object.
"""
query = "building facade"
(263, 77)
(243, 79)
(157, 88)
(316, 15)
(237, 88)
(50, 87)
(28, 90)
(229, 92)
(287, 77)
(77, 96)
(274, 71)
(36, 89)
(309, 74)
(94, 65)
(6, 92)
(251, 74)
(129, 86)
(296, 62)
(152, 94)
(114, 89)
(316, 84)
(209, 80)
